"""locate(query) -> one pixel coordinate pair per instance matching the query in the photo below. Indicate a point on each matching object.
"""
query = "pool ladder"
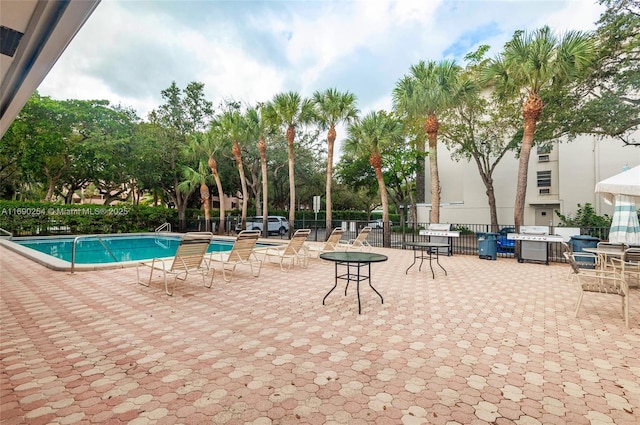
(73, 249)
(5, 233)
(164, 227)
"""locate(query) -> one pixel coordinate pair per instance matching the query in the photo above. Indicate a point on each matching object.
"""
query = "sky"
(128, 51)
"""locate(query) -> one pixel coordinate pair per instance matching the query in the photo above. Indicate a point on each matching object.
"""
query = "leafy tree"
(184, 113)
(288, 111)
(367, 137)
(482, 128)
(585, 217)
(610, 94)
(529, 63)
(332, 108)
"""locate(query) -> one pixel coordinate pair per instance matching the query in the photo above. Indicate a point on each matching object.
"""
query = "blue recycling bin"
(488, 245)
(579, 242)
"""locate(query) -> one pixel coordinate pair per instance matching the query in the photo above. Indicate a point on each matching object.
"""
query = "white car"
(376, 224)
(276, 224)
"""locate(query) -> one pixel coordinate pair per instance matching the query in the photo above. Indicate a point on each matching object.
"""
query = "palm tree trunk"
(204, 196)
(262, 148)
(292, 183)
(243, 180)
(384, 200)
(531, 111)
(435, 179)
(331, 138)
(213, 166)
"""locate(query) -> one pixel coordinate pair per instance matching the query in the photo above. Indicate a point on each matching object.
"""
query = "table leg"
(438, 261)
(334, 286)
(358, 287)
(374, 289)
(414, 262)
(430, 251)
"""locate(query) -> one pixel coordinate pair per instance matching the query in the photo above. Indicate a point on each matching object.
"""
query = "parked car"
(377, 224)
(276, 224)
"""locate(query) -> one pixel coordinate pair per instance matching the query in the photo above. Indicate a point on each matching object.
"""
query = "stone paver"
(492, 342)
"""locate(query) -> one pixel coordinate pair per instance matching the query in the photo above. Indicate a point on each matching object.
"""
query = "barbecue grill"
(534, 243)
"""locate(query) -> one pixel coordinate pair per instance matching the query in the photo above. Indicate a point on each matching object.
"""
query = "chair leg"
(166, 287)
(213, 273)
(578, 303)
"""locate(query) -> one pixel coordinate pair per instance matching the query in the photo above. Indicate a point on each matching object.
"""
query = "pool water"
(90, 250)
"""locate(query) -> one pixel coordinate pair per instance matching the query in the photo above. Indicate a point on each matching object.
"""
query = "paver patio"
(494, 342)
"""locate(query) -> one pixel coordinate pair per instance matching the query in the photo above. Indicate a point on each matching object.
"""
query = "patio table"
(426, 250)
(604, 253)
(353, 261)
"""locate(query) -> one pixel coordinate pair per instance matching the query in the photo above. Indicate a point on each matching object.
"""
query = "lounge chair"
(315, 249)
(293, 251)
(189, 259)
(601, 281)
(359, 243)
(242, 252)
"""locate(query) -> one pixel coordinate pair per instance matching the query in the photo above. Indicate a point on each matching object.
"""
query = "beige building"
(559, 179)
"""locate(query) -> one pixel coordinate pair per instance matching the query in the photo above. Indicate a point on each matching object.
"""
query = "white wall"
(576, 167)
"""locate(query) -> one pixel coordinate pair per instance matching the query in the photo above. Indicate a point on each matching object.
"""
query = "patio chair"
(242, 252)
(189, 259)
(315, 249)
(293, 251)
(584, 260)
(601, 281)
(629, 265)
(605, 260)
(359, 243)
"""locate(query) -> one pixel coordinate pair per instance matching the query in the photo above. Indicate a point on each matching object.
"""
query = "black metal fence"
(466, 243)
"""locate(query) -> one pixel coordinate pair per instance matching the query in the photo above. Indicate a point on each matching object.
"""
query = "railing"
(6, 233)
(73, 249)
(164, 227)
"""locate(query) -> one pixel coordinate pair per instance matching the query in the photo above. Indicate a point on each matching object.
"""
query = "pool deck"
(494, 342)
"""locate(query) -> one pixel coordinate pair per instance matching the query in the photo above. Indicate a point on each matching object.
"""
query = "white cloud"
(128, 52)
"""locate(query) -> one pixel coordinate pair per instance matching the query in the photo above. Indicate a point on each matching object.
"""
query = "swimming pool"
(105, 251)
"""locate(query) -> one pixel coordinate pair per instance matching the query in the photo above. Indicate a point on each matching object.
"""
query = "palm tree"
(194, 179)
(233, 125)
(289, 110)
(256, 130)
(208, 145)
(333, 107)
(431, 88)
(530, 63)
(369, 136)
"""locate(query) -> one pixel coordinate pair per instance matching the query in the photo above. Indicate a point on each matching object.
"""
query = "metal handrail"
(6, 232)
(164, 226)
(73, 249)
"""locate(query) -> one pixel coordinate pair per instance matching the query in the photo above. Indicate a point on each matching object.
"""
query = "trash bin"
(488, 245)
(579, 242)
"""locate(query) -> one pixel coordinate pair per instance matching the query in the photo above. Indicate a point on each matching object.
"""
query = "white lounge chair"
(294, 251)
(359, 243)
(314, 249)
(189, 259)
(242, 252)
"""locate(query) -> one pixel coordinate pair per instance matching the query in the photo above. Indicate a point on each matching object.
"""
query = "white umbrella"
(624, 189)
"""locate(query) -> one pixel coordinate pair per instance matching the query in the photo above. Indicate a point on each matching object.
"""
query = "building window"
(544, 178)
(543, 158)
(545, 191)
(545, 149)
